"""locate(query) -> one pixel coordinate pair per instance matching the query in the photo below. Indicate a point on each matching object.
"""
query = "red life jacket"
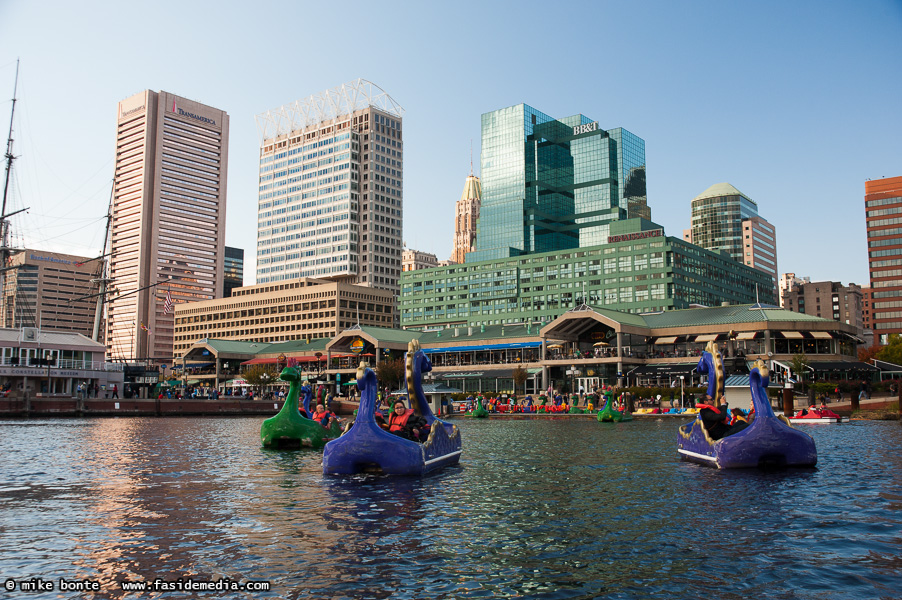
(700, 406)
(397, 423)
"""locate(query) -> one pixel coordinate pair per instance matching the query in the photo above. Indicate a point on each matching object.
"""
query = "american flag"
(168, 303)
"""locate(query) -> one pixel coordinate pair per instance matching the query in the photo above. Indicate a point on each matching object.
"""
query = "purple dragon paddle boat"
(367, 448)
(769, 441)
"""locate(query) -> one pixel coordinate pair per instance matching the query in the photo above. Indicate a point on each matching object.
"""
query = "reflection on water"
(536, 509)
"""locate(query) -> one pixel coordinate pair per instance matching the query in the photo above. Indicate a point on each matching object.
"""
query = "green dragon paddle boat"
(610, 414)
(574, 409)
(480, 412)
(290, 429)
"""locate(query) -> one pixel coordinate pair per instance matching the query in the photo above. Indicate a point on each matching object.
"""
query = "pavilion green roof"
(236, 346)
(386, 334)
(297, 346)
(733, 314)
(479, 333)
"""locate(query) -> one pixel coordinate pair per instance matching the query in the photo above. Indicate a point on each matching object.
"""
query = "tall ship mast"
(4, 218)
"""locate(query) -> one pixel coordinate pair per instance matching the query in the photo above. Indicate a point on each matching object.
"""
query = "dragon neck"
(293, 389)
(414, 382)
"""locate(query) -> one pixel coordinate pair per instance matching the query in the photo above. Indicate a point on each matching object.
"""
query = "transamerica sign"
(185, 113)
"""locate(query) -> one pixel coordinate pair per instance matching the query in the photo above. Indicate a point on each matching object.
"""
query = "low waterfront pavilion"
(371, 344)
(36, 363)
(210, 362)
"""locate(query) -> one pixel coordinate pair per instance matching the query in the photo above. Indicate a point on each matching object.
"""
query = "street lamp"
(265, 378)
(572, 372)
(682, 377)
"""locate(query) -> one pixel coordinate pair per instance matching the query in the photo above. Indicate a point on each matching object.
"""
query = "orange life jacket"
(396, 422)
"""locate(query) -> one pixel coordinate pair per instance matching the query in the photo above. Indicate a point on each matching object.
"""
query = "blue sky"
(794, 103)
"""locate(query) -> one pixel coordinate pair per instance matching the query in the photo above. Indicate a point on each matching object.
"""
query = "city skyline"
(760, 96)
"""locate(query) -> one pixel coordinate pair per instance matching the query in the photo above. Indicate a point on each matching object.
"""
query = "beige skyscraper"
(466, 216)
(168, 226)
(330, 199)
(50, 291)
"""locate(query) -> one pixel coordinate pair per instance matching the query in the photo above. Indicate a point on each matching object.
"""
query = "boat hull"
(365, 448)
(805, 421)
(765, 443)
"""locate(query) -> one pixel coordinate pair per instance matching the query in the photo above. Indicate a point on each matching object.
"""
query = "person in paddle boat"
(324, 417)
(404, 423)
(380, 418)
(714, 418)
(740, 420)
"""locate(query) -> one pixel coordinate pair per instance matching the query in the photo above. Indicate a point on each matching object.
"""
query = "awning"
(747, 335)
(261, 361)
(792, 335)
(666, 340)
(662, 370)
(821, 335)
(707, 337)
(841, 366)
(483, 374)
(197, 365)
(887, 366)
(513, 346)
(274, 360)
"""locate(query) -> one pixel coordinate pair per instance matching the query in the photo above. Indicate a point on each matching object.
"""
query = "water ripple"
(537, 509)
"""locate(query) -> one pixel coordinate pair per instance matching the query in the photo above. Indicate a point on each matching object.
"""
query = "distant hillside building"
(883, 214)
(465, 219)
(47, 290)
(725, 219)
(411, 260)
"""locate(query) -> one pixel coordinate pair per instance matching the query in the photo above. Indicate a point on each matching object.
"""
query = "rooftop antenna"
(471, 157)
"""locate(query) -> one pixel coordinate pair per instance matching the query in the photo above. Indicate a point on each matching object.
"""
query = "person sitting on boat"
(404, 423)
(380, 418)
(714, 418)
(740, 422)
(324, 417)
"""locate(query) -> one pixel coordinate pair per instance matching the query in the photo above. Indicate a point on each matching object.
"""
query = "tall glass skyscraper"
(554, 184)
(725, 219)
(330, 203)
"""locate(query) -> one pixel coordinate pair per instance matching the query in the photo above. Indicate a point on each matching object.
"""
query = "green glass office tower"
(554, 184)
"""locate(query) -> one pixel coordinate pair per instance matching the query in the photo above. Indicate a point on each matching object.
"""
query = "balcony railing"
(79, 365)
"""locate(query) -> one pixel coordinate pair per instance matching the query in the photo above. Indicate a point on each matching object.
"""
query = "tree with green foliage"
(892, 352)
(520, 375)
(799, 365)
(260, 375)
(390, 373)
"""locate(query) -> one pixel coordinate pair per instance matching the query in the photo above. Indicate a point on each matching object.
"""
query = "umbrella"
(600, 344)
(367, 354)
(350, 383)
(555, 346)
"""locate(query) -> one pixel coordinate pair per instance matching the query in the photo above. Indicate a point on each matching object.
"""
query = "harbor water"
(542, 508)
